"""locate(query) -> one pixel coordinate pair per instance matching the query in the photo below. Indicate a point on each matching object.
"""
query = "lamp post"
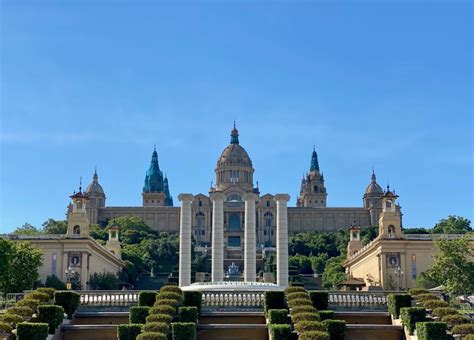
(399, 273)
(69, 275)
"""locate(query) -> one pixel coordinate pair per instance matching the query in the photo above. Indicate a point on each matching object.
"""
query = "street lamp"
(69, 275)
(399, 273)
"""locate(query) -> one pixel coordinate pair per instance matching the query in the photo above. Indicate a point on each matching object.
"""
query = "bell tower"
(113, 243)
(153, 189)
(355, 244)
(313, 192)
(77, 221)
(390, 219)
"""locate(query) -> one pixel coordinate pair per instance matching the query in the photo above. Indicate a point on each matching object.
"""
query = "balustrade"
(108, 297)
(358, 300)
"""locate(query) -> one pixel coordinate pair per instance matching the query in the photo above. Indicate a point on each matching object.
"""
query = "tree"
(52, 226)
(453, 225)
(302, 263)
(104, 281)
(129, 273)
(54, 282)
(318, 263)
(452, 267)
(19, 266)
(416, 231)
(425, 281)
(334, 272)
(27, 229)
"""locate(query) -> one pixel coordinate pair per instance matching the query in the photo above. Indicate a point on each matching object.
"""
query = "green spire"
(314, 161)
(154, 177)
(234, 135)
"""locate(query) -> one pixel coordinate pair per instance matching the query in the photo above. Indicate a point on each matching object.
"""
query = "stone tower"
(113, 243)
(77, 221)
(95, 194)
(355, 244)
(373, 199)
(156, 189)
(390, 218)
(313, 192)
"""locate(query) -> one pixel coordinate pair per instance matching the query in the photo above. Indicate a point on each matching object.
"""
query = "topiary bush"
(294, 289)
(278, 316)
(188, 314)
(469, 337)
(299, 302)
(170, 310)
(303, 309)
(297, 295)
(314, 335)
(171, 288)
(52, 315)
(432, 304)
(326, 314)
(463, 329)
(147, 298)
(274, 300)
(425, 297)
(41, 297)
(319, 299)
(11, 319)
(47, 290)
(183, 330)
(295, 318)
(306, 326)
(32, 331)
(280, 332)
(431, 330)
(410, 316)
(68, 300)
(335, 328)
(455, 319)
(138, 314)
(193, 298)
(397, 301)
(5, 327)
(166, 318)
(159, 327)
(152, 336)
(417, 291)
(129, 331)
(167, 302)
(170, 295)
(22, 311)
(31, 303)
(443, 311)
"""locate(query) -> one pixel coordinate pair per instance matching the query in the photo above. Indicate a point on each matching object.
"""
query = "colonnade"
(250, 253)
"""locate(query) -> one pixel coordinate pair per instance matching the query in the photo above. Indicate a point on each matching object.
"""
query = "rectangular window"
(234, 241)
(413, 267)
(54, 263)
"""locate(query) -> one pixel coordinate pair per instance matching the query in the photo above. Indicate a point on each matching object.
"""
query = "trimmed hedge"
(129, 332)
(32, 331)
(166, 318)
(138, 314)
(147, 298)
(31, 303)
(159, 327)
(167, 302)
(469, 337)
(22, 311)
(455, 319)
(5, 327)
(278, 316)
(418, 291)
(42, 297)
(183, 330)
(299, 302)
(280, 332)
(51, 314)
(320, 299)
(296, 318)
(68, 300)
(425, 297)
(152, 336)
(397, 301)
(314, 335)
(188, 314)
(170, 310)
(11, 319)
(303, 309)
(326, 314)
(463, 329)
(432, 304)
(274, 300)
(169, 295)
(306, 326)
(410, 316)
(335, 328)
(47, 290)
(297, 295)
(294, 289)
(171, 288)
(193, 298)
(443, 311)
(431, 330)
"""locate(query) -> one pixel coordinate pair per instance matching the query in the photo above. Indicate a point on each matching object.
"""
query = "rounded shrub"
(68, 300)
(128, 331)
(425, 297)
(443, 311)
(166, 302)
(52, 315)
(170, 310)
(455, 319)
(31, 331)
(147, 298)
(166, 318)
(138, 314)
(469, 337)
(5, 327)
(314, 335)
(463, 329)
(417, 291)
(294, 289)
(297, 295)
(306, 326)
(47, 290)
(31, 303)
(152, 336)
(278, 316)
(22, 311)
(159, 327)
(183, 331)
(303, 309)
(173, 289)
(42, 297)
(299, 302)
(432, 304)
(169, 296)
(280, 332)
(11, 319)
(295, 318)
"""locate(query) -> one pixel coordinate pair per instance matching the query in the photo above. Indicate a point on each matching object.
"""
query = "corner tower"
(373, 199)
(313, 192)
(156, 189)
(96, 196)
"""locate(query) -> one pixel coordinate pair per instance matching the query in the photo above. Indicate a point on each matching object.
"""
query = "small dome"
(374, 188)
(234, 154)
(95, 188)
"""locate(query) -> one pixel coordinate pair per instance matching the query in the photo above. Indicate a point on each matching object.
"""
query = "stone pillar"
(250, 264)
(217, 274)
(282, 238)
(185, 240)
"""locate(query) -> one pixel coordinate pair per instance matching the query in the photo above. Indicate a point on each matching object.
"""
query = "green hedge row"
(410, 316)
(431, 330)
(32, 331)
(319, 299)
(280, 332)
(397, 301)
(147, 298)
(129, 331)
(138, 314)
(52, 315)
(68, 300)
(183, 330)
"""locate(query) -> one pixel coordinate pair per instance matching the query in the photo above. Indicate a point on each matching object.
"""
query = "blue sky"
(384, 84)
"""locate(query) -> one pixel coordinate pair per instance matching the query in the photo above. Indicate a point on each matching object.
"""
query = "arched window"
(234, 198)
(76, 230)
(388, 204)
(315, 188)
(391, 231)
(234, 222)
(79, 204)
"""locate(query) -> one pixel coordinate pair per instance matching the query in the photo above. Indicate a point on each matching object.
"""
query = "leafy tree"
(416, 231)
(132, 229)
(52, 226)
(452, 267)
(367, 234)
(104, 281)
(313, 243)
(302, 263)
(54, 282)
(318, 263)
(425, 281)
(129, 273)
(453, 225)
(334, 272)
(19, 263)
(27, 229)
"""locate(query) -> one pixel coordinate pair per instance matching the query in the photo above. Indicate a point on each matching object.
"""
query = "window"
(234, 221)
(203, 232)
(200, 203)
(79, 204)
(54, 262)
(391, 231)
(233, 241)
(268, 203)
(76, 230)
(413, 267)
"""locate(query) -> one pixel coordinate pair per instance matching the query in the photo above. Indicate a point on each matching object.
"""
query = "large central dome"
(234, 166)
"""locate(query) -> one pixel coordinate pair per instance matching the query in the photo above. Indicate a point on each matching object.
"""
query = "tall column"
(217, 274)
(185, 240)
(250, 265)
(282, 238)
